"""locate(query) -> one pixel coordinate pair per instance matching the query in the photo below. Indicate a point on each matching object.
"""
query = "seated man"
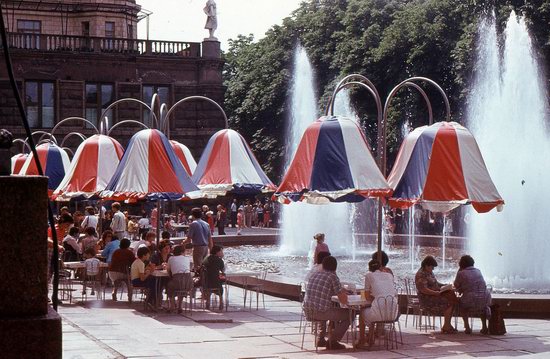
(141, 275)
(321, 287)
(121, 261)
(213, 268)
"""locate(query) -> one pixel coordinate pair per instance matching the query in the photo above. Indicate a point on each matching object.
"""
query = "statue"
(211, 18)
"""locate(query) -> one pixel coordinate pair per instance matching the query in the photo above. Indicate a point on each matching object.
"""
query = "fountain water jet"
(508, 115)
(302, 220)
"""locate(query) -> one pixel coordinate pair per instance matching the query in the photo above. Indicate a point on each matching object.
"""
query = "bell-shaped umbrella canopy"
(17, 162)
(92, 167)
(332, 163)
(54, 161)
(150, 170)
(440, 167)
(185, 156)
(228, 165)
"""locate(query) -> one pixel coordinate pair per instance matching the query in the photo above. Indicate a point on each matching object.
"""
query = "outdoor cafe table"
(159, 274)
(355, 304)
(181, 229)
(245, 274)
(80, 265)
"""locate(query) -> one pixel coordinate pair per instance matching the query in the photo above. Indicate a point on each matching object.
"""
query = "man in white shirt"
(234, 213)
(118, 223)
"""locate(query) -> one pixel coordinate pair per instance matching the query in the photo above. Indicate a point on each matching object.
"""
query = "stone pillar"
(30, 327)
(211, 49)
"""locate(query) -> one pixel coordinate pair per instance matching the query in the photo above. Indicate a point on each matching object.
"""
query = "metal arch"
(78, 134)
(362, 84)
(74, 118)
(190, 98)
(439, 88)
(106, 125)
(128, 99)
(43, 133)
(162, 115)
(67, 149)
(155, 103)
(350, 78)
(124, 122)
(23, 145)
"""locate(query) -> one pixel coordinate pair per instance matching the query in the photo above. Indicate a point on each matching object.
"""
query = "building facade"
(74, 58)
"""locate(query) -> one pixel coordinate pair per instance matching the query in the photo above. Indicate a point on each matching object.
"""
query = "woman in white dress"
(380, 289)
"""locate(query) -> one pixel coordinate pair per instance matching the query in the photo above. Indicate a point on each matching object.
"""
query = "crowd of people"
(381, 291)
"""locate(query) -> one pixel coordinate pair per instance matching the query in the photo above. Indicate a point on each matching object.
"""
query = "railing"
(67, 43)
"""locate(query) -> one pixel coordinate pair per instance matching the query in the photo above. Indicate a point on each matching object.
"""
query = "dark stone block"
(31, 337)
(23, 229)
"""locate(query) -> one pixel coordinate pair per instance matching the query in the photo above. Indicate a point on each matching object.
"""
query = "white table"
(79, 265)
(355, 304)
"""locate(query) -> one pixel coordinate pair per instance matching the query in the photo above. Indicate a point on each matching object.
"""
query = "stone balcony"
(102, 45)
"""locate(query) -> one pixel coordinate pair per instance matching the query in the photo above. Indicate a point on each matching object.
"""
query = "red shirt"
(122, 260)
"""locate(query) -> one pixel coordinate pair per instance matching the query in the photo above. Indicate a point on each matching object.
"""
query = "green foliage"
(385, 40)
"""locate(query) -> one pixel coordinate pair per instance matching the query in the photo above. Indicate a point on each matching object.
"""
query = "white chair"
(258, 286)
(387, 309)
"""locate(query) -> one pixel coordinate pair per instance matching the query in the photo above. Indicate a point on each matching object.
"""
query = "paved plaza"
(107, 329)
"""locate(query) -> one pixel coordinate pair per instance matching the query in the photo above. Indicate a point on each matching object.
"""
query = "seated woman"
(475, 296)
(430, 295)
(380, 289)
(141, 275)
(385, 259)
(179, 269)
(213, 268)
(160, 258)
(89, 240)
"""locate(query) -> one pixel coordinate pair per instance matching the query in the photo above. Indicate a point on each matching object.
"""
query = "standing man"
(221, 216)
(118, 223)
(322, 285)
(248, 214)
(234, 213)
(199, 235)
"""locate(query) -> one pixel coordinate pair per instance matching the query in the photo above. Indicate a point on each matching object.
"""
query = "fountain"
(302, 220)
(508, 115)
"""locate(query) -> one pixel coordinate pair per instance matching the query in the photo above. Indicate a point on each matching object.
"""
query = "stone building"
(75, 57)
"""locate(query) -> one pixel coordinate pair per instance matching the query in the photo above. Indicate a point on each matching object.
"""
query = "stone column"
(30, 327)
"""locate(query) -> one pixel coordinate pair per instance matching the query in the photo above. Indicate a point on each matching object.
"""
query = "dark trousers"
(233, 219)
(221, 227)
(149, 283)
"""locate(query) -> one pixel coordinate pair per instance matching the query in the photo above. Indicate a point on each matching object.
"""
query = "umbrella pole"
(444, 237)
(379, 232)
(158, 220)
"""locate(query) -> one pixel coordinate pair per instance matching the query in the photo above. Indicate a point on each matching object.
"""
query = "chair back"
(386, 308)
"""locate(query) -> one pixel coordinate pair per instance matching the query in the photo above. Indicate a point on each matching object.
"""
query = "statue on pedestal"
(211, 19)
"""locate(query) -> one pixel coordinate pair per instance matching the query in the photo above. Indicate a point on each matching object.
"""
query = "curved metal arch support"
(67, 149)
(155, 110)
(23, 144)
(348, 79)
(72, 118)
(77, 134)
(128, 99)
(125, 122)
(43, 133)
(362, 84)
(191, 98)
(439, 88)
(162, 116)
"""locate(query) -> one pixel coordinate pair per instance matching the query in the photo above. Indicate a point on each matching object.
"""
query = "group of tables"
(163, 273)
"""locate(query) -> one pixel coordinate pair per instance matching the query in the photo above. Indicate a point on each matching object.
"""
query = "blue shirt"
(110, 249)
(199, 232)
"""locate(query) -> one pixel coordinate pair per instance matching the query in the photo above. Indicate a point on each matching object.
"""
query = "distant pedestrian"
(240, 221)
(221, 217)
(234, 213)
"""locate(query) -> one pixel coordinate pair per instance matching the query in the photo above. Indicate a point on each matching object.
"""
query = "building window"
(98, 98)
(30, 33)
(109, 29)
(130, 29)
(148, 91)
(40, 103)
(85, 28)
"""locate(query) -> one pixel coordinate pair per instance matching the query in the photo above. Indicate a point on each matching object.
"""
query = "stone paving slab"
(105, 329)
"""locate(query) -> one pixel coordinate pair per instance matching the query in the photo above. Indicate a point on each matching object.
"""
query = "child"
(210, 220)
(240, 221)
(92, 266)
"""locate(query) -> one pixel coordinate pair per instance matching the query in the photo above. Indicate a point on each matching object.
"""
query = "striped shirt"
(320, 288)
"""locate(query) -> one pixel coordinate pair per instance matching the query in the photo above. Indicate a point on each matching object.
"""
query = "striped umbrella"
(92, 167)
(150, 170)
(185, 156)
(440, 167)
(55, 163)
(17, 162)
(228, 165)
(332, 164)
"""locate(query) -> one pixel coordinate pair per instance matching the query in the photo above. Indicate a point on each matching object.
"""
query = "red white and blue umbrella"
(228, 165)
(440, 167)
(54, 161)
(17, 162)
(92, 167)
(150, 170)
(333, 163)
(185, 156)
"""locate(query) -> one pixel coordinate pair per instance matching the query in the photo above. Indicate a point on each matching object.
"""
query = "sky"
(183, 20)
